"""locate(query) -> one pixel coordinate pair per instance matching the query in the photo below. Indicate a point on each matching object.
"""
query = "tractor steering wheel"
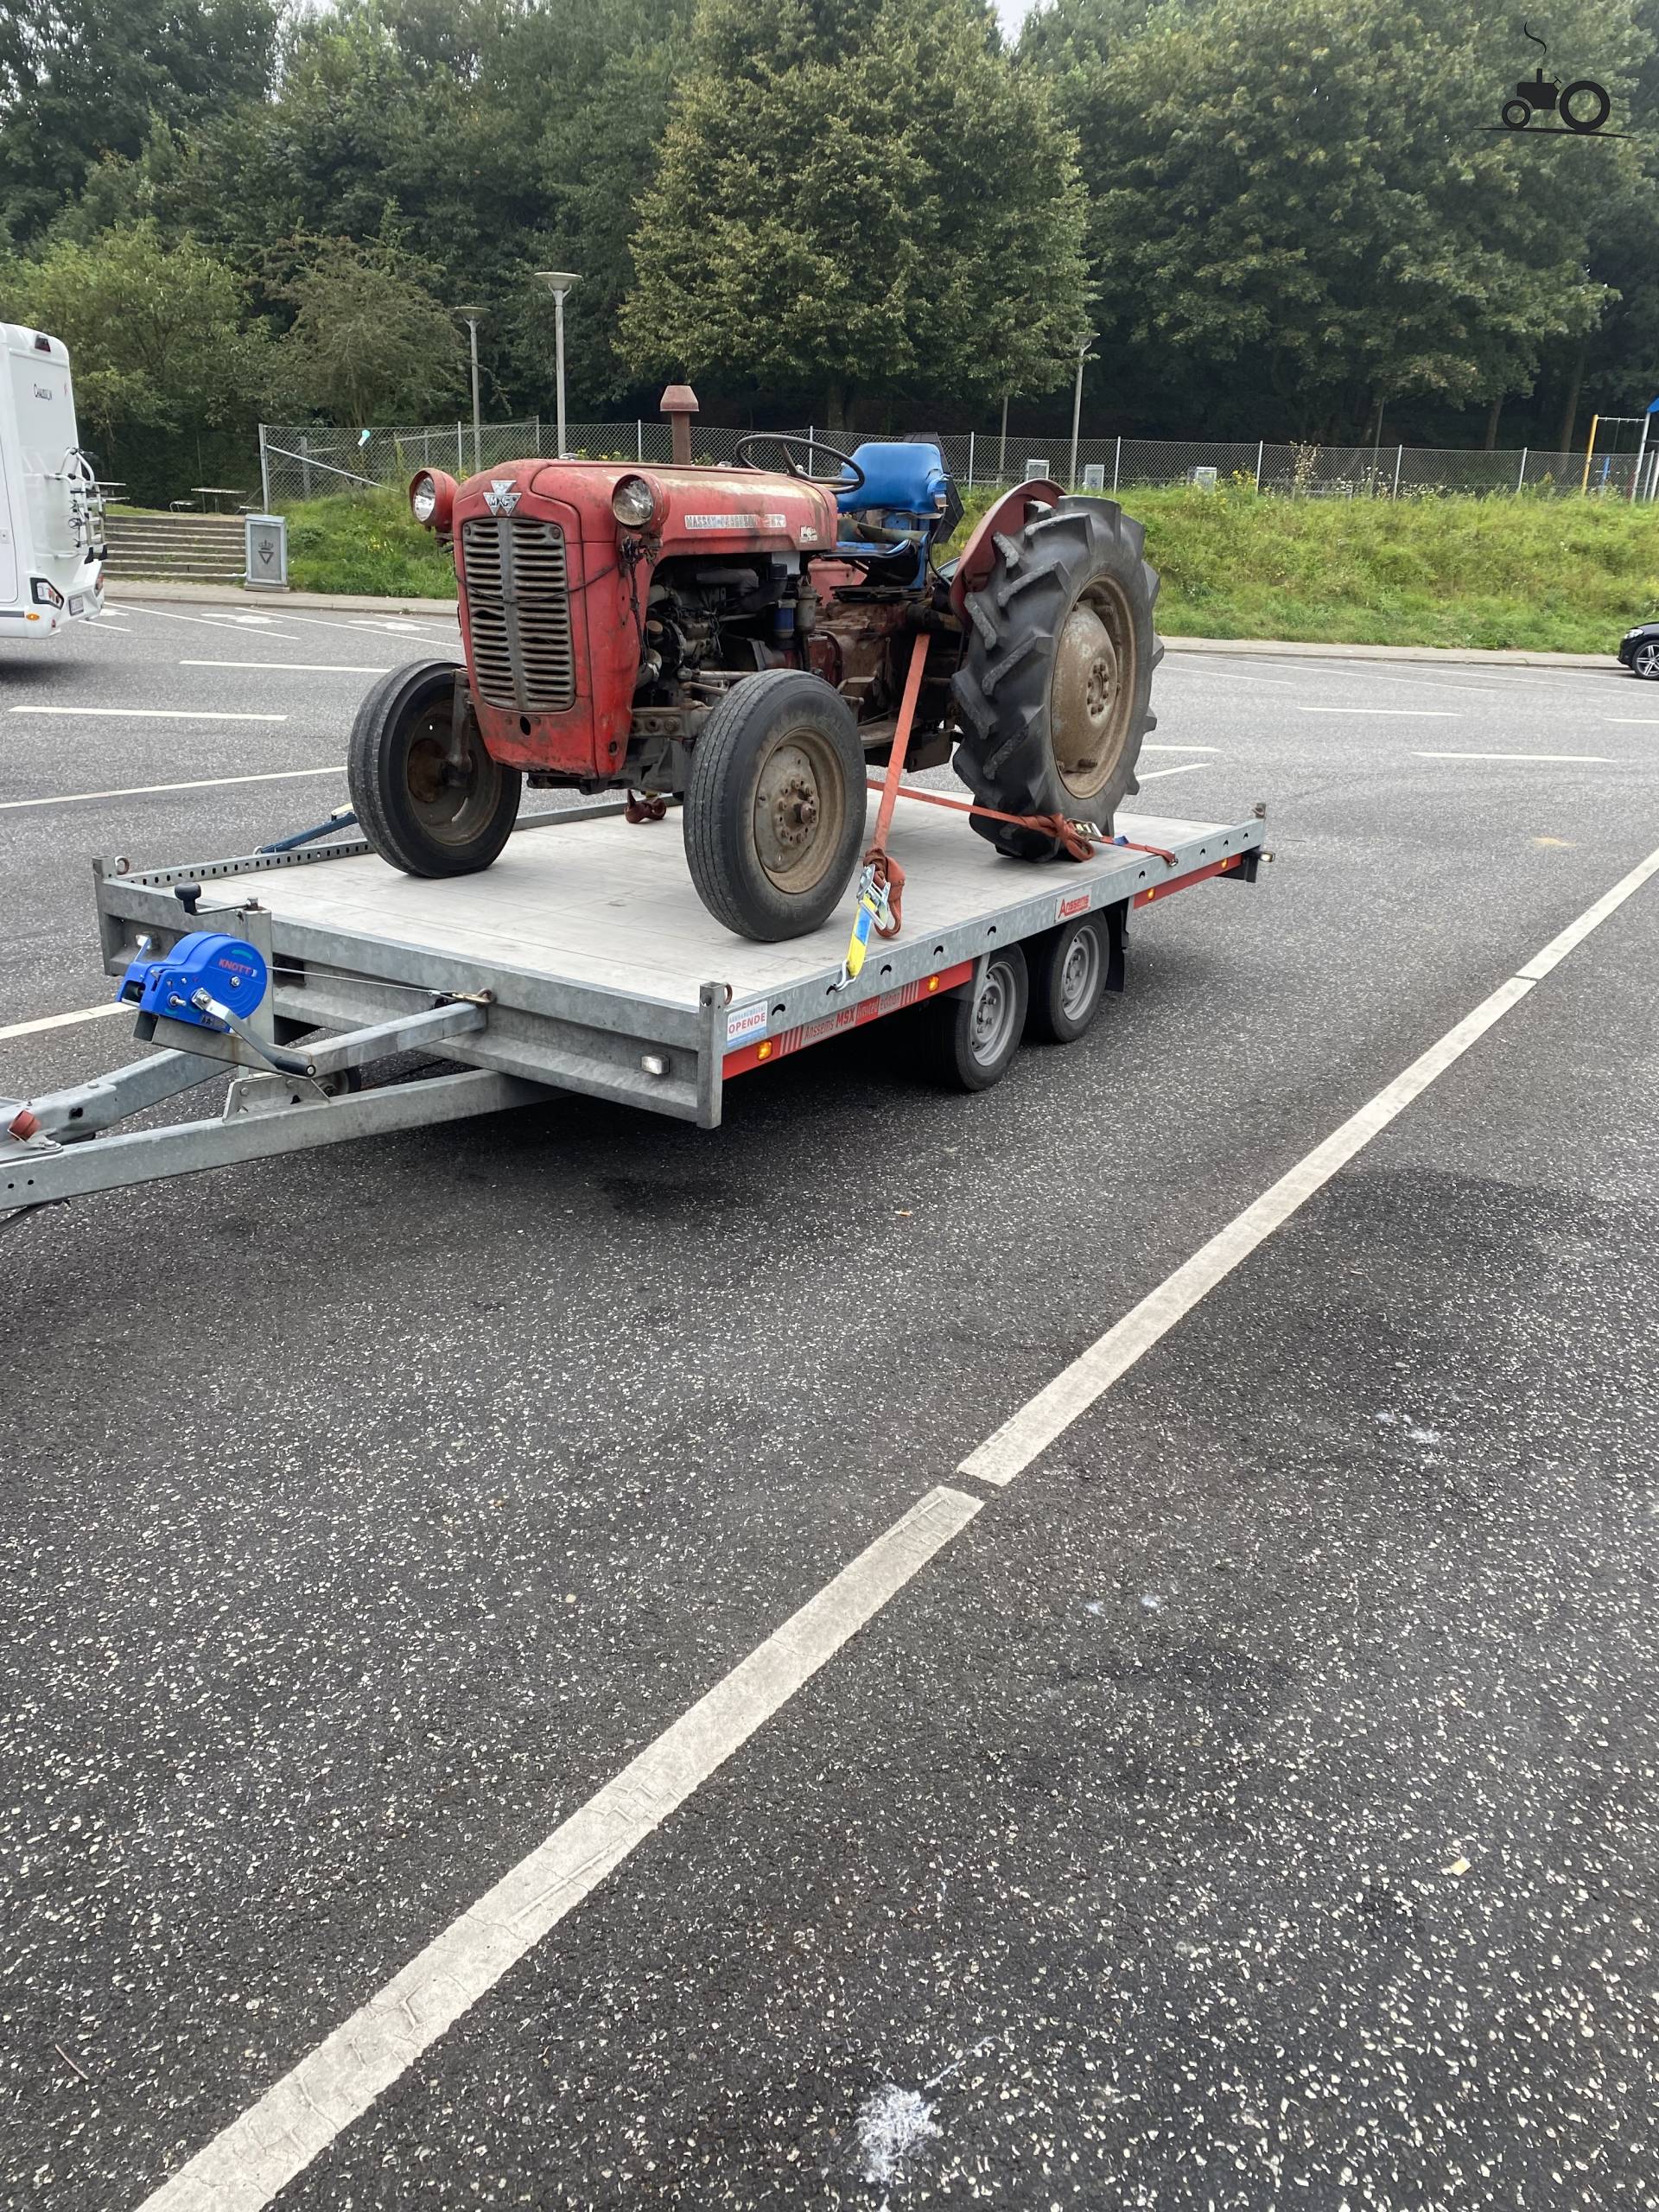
(850, 481)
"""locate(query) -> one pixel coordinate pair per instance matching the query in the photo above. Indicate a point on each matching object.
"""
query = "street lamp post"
(1076, 403)
(558, 281)
(470, 315)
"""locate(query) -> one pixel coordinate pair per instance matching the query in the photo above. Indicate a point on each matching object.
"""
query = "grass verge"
(365, 541)
(1529, 573)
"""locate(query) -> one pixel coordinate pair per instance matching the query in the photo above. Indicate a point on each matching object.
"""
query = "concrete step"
(224, 572)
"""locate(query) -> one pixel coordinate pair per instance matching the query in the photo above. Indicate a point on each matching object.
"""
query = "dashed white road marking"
(1632, 722)
(301, 667)
(201, 783)
(64, 1020)
(212, 621)
(1181, 748)
(244, 2167)
(1583, 759)
(1009, 1450)
(153, 714)
(1415, 714)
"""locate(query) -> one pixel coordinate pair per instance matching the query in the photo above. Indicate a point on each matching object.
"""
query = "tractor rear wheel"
(1053, 693)
(428, 795)
(775, 804)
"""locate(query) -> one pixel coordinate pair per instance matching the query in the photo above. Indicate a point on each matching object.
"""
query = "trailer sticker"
(747, 1021)
(1076, 902)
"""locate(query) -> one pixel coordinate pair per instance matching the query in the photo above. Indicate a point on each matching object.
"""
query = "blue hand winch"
(205, 980)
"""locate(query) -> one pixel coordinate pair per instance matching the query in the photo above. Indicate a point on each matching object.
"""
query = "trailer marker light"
(653, 1063)
(933, 983)
(763, 1051)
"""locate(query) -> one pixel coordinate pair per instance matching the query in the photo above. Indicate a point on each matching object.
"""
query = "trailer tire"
(1068, 979)
(413, 809)
(968, 1039)
(775, 805)
(1052, 695)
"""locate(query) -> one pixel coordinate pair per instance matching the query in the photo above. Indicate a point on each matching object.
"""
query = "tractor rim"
(452, 801)
(995, 1011)
(1080, 974)
(1091, 693)
(800, 808)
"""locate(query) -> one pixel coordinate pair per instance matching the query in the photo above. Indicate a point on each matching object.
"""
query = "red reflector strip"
(1180, 883)
(766, 1049)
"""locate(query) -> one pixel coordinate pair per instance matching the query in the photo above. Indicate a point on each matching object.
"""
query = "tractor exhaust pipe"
(679, 404)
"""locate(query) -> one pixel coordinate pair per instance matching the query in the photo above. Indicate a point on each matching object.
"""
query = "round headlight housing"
(634, 502)
(432, 498)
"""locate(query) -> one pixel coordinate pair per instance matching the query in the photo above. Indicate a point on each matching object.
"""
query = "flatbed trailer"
(582, 961)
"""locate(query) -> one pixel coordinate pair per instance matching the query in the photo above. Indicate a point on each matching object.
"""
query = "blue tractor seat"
(906, 488)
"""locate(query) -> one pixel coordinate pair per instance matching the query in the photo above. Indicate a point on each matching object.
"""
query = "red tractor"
(754, 641)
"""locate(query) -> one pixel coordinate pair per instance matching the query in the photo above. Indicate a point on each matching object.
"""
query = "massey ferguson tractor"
(755, 641)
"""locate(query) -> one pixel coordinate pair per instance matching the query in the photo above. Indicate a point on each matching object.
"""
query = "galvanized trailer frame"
(575, 964)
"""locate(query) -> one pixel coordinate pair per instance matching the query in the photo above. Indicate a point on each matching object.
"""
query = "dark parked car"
(1639, 650)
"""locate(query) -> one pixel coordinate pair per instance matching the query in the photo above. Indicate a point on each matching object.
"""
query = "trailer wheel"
(1068, 979)
(775, 805)
(969, 1039)
(1053, 693)
(424, 808)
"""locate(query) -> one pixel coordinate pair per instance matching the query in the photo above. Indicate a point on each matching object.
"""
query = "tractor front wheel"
(428, 796)
(1053, 693)
(775, 805)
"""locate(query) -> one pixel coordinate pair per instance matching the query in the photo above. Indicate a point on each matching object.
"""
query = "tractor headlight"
(431, 500)
(634, 502)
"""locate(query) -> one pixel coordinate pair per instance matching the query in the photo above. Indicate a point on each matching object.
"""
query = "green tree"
(1299, 208)
(83, 79)
(369, 342)
(863, 195)
(158, 333)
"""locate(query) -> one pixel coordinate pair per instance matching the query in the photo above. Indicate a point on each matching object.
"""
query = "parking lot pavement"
(368, 1511)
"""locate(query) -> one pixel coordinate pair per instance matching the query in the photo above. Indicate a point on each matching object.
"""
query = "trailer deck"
(581, 961)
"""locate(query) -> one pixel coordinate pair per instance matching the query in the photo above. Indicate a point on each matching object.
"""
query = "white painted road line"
(245, 2166)
(303, 667)
(64, 1020)
(153, 714)
(260, 622)
(1180, 749)
(1413, 714)
(1632, 722)
(145, 790)
(1601, 759)
(1009, 1450)
(1152, 774)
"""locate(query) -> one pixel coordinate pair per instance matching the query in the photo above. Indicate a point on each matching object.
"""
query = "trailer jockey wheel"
(774, 809)
(428, 795)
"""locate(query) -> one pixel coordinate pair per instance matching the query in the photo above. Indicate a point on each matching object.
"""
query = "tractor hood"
(718, 510)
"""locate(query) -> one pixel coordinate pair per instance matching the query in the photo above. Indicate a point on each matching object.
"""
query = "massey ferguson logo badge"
(503, 495)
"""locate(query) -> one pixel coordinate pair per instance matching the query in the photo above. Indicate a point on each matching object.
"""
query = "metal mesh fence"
(305, 461)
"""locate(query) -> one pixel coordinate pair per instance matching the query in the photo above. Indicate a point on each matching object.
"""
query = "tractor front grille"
(519, 613)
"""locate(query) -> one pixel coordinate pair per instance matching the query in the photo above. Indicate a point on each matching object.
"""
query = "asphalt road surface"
(1253, 1803)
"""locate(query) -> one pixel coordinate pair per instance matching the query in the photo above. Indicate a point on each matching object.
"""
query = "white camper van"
(51, 512)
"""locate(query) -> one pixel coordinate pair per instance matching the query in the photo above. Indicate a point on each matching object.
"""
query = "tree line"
(1288, 218)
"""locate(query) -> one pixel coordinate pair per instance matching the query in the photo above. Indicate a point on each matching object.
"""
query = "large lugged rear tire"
(775, 804)
(1053, 693)
(424, 808)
